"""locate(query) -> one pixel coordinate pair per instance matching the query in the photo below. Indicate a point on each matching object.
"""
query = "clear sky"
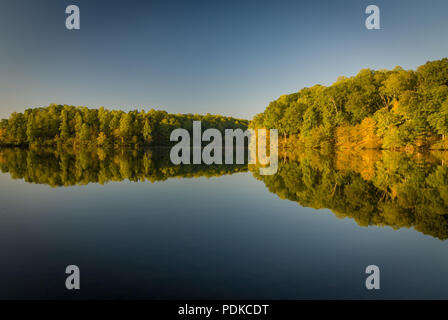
(226, 57)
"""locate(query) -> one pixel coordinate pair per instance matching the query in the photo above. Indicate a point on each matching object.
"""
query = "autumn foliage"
(390, 109)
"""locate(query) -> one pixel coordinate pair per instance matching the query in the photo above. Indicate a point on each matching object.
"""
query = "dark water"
(139, 227)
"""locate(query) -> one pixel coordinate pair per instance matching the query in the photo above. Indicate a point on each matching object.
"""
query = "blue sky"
(226, 57)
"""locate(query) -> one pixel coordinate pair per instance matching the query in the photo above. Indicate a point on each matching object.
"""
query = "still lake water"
(138, 227)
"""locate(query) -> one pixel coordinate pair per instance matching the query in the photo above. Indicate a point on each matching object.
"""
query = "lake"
(140, 227)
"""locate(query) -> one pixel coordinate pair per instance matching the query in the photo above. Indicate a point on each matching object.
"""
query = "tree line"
(63, 124)
(389, 109)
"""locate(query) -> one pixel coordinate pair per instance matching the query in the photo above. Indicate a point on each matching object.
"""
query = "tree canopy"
(390, 109)
(63, 124)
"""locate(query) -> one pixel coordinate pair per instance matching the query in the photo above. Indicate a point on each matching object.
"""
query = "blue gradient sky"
(227, 57)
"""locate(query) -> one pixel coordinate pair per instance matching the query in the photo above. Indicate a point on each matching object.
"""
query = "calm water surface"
(139, 227)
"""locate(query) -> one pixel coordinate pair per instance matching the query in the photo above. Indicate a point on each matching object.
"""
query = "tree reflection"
(68, 167)
(381, 188)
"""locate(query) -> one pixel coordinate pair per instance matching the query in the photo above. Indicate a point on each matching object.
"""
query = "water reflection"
(379, 188)
(69, 167)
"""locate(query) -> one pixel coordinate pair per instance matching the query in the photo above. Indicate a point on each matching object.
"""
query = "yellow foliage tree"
(101, 138)
(361, 136)
(369, 140)
(2, 134)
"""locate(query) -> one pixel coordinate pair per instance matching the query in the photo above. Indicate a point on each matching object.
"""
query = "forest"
(376, 109)
(384, 109)
(81, 126)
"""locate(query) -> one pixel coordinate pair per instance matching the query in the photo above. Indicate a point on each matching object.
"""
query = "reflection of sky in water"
(225, 237)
